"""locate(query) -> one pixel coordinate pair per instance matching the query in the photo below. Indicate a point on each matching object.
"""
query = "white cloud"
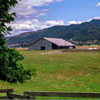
(28, 13)
(26, 8)
(53, 22)
(98, 4)
(79, 22)
(96, 18)
(33, 25)
(59, 0)
(36, 3)
(74, 22)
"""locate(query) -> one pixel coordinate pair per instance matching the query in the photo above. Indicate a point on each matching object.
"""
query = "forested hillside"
(87, 31)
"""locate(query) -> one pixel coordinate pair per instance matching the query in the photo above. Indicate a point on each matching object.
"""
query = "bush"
(10, 68)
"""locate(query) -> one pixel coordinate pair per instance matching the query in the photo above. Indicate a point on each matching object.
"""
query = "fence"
(32, 95)
(6, 91)
(62, 94)
(10, 95)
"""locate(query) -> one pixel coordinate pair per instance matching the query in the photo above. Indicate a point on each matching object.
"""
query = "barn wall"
(41, 43)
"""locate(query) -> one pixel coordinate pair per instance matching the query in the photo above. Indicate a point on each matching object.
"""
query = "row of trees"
(11, 69)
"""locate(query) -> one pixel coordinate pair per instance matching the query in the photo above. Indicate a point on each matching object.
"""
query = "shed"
(51, 43)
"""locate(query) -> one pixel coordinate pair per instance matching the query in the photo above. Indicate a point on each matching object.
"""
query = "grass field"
(68, 71)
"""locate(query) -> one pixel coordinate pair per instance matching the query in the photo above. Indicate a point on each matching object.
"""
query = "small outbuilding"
(50, 44)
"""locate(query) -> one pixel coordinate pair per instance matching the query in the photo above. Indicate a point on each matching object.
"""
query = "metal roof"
(59, 42)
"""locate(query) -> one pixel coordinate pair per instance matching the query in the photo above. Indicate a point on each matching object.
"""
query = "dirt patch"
(59, 76)
(51, 52)
(21, 49)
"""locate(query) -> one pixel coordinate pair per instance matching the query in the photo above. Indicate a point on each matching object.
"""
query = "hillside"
(87, 31)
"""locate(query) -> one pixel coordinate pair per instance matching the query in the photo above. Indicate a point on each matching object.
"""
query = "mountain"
(87, 31)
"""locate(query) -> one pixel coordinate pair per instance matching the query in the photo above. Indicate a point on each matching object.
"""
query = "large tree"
(10, 68)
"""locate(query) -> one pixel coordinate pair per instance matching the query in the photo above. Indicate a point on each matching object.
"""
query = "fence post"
(31, 97)
(9, 95)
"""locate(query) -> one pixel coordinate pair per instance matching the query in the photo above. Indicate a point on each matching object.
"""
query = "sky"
(33, 15)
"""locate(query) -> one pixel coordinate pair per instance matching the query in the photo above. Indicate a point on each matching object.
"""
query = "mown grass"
(69, 71)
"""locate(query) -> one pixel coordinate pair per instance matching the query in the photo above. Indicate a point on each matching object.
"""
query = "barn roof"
(59, 42)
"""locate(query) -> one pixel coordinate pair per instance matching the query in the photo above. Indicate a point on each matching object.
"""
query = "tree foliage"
(11, 69)
(5, 16)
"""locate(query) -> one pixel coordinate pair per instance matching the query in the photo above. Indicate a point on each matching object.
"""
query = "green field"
(68, 71)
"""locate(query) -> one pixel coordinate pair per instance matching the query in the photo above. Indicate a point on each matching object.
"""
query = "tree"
(10, 68)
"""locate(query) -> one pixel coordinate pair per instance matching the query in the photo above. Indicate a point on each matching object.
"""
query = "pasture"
(67, 71)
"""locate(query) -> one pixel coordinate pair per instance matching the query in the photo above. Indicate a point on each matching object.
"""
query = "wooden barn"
(51, 43)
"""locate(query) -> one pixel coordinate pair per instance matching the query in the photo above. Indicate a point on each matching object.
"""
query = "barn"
(51, 43)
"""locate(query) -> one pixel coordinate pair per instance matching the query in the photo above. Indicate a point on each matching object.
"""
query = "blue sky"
(33, 15)
(74, 10)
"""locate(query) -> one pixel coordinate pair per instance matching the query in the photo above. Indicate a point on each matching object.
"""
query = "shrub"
(11, 69)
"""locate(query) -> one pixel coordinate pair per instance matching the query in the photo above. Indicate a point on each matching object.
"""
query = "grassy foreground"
(74, 72)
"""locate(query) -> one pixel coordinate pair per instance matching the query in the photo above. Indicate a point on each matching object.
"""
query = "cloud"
(30, 13)
(74, 22)
(59, 0)
(96, 18)
(98, 4)
(37, 3)
(79, 22)
(53, 22)
(30, 8)
(33, 25)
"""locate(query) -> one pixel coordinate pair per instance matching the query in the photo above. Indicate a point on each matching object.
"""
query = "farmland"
(67, 71)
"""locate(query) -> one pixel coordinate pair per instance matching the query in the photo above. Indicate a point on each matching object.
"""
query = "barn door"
(43, 48)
